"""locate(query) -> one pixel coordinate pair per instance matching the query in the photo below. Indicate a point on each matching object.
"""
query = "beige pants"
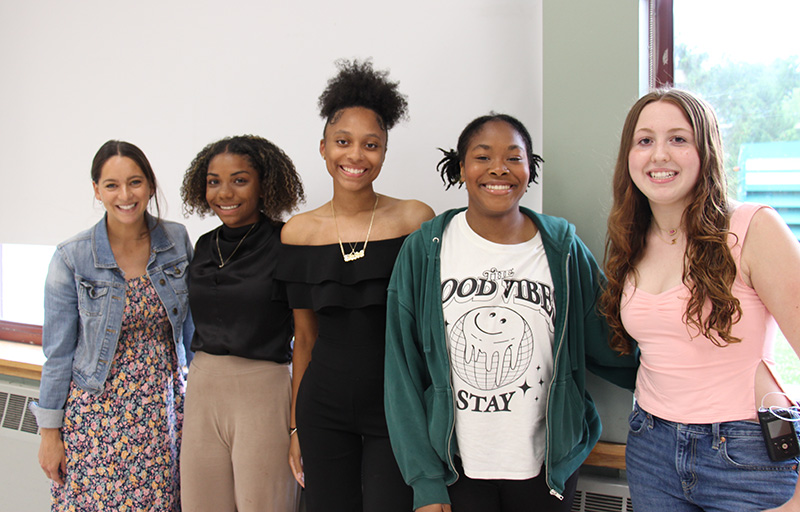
(234, 453)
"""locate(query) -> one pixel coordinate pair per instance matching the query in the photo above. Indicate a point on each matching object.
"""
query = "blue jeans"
(723, 467)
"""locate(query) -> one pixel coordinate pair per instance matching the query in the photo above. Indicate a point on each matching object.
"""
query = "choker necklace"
(672, 234)
(353, 254)
(223, 262)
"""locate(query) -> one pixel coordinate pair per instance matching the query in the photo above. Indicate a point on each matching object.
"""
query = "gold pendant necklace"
(672, 234)
(223, 262)
(353, 254)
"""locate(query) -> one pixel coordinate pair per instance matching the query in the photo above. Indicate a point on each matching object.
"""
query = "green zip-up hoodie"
(418, 392)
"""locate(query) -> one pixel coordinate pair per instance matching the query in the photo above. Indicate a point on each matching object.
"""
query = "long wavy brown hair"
(709, 269)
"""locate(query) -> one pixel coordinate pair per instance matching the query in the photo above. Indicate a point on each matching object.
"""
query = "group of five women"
(411, 362)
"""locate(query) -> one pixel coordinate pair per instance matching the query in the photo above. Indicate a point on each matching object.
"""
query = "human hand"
(51, 455)
(786, 507)
(435, 507)
(793, 505)
(296, 460)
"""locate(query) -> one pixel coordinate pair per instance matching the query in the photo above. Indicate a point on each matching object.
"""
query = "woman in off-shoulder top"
(336, 265)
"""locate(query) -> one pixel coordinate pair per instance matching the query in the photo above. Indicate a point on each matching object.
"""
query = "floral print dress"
(122, 446)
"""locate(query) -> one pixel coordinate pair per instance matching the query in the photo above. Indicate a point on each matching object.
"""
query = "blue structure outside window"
(771, 175)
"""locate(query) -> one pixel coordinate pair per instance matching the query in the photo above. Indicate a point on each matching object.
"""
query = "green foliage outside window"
(755, 102)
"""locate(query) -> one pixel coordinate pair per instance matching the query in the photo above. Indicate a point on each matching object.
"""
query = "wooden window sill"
(607, 455)
(21, 360)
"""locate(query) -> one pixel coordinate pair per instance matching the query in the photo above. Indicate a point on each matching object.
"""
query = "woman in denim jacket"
(116, 318)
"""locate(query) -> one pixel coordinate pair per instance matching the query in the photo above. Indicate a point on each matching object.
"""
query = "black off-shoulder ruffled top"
(349, 299)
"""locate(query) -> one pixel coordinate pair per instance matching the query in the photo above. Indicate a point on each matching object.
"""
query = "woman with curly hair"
(699, 282)
(236, 432)
(336, 264)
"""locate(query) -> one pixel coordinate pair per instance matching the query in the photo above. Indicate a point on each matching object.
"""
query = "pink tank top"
(683, 376)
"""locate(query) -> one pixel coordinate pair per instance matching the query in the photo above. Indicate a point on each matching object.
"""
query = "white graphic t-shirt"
(499, 310)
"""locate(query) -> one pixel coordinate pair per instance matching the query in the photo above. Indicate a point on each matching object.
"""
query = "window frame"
(661, 61)
(21, 333)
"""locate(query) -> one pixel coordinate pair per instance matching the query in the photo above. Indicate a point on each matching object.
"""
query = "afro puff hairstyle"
(279, 182)
(359, 85)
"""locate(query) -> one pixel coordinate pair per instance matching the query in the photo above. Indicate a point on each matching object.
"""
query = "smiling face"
(491, 346)
(354, 147)
(495, 170)
(491, 330)
(124, 190)
(663, 162)
(233, 190)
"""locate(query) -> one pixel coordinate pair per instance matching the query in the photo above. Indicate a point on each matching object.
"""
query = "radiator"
(602, 494)
(23, 486)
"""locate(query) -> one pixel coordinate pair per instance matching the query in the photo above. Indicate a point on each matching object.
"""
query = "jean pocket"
(749, 452)
(176, 273)
(92, 298)
(637, 421)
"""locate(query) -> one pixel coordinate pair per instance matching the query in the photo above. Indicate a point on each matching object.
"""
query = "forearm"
(299, 364)
(406, 413)
(305, 335)
(50, 434)
(53, 391)
(59, 342)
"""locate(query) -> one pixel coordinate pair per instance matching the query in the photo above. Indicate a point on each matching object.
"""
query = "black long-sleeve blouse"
(235, 308)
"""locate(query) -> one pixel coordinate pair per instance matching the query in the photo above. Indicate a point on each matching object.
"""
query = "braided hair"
(449, 167)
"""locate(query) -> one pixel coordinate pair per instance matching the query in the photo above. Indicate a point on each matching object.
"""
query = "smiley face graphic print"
(499, 311)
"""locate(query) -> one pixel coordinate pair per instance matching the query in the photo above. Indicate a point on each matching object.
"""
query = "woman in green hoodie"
(491, 326)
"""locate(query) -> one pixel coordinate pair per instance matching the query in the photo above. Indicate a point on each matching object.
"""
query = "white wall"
(174, 76)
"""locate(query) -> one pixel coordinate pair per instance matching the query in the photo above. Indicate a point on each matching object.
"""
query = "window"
(23, 269)
(743, 57)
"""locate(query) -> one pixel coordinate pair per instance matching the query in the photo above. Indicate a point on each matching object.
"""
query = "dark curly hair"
(279, 182)
(359, 85)
(449, 167)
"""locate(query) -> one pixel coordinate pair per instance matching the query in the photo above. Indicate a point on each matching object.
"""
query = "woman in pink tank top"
(698, 282)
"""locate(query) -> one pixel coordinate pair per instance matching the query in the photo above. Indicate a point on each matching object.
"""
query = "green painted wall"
(591, 78)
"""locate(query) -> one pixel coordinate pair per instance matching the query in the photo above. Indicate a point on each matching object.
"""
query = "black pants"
(469, 495)
(347, 459)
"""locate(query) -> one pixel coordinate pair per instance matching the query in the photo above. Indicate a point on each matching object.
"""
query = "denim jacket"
(83, 306)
